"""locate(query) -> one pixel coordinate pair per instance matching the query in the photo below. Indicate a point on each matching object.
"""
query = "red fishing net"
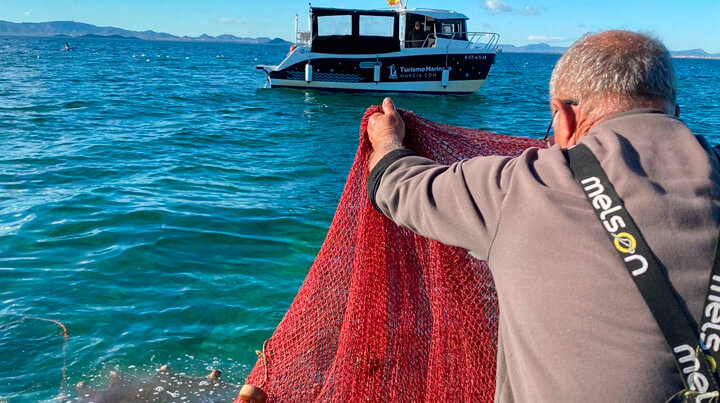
(384, 314)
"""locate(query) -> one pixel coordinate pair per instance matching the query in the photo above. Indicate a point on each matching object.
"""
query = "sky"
(681, 25)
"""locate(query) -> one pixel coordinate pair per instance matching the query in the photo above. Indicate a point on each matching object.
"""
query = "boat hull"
(442, 73)
(422, 87)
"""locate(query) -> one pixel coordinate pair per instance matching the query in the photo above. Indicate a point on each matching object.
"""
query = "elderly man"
(573, 325)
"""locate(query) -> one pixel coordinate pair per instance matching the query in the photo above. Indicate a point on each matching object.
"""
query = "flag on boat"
(394, 2)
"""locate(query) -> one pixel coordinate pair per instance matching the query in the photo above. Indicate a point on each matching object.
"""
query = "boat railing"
(302, 38)
(428, 42)
(483, 40)
(476, 40)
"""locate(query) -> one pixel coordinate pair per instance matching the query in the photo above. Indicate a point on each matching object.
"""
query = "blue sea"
(165, 206)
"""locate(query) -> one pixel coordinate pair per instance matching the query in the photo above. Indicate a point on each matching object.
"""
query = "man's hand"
(386, 132)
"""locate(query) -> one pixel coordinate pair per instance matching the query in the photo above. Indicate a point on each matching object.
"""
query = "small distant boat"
(377, 50)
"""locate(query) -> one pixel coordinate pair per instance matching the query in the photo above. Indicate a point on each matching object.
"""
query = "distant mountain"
(532, 48)
(226, 37)
(102, 36)
(74, 29)
(695, 53)
(545, 48)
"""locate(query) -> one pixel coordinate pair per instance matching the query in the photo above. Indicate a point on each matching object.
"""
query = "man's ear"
(565, 123)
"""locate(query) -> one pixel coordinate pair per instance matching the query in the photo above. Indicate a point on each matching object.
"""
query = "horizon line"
(710, 55)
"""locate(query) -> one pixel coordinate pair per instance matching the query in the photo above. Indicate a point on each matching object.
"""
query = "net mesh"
(384, 314)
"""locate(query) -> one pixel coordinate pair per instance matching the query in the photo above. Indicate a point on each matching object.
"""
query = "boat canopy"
(344, 31)
(438, 14)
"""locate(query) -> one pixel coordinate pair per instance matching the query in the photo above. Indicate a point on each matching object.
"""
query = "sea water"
(164, 206)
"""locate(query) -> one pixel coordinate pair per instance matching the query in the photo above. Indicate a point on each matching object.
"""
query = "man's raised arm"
(457, 204)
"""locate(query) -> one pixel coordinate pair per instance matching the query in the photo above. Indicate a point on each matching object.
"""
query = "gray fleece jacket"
(573, 326)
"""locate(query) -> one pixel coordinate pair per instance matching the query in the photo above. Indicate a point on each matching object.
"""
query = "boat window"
(334, 25)
(354, 31)
(419, 38)
(454, 29)
(372, 25)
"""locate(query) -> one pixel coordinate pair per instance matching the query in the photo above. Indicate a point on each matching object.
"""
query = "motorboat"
(391, 50)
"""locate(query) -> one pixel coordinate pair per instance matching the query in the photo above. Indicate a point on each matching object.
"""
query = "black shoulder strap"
(710, 320)
(676, 324)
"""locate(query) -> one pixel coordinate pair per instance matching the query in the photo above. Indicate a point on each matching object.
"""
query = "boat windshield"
(354, 31)
(452, 29)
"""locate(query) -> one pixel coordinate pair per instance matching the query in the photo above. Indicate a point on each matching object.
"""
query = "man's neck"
(587, 123)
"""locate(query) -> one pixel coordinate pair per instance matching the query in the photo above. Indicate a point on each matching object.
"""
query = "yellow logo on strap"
(625, 242)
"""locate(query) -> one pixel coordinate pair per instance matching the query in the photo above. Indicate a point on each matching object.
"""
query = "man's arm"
(458, 204)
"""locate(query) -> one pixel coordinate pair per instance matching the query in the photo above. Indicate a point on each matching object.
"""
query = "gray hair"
(615, 70)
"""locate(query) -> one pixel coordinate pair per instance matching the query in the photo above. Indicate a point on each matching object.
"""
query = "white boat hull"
(428, 87)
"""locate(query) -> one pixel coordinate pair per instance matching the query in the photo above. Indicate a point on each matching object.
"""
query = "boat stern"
(266, 69)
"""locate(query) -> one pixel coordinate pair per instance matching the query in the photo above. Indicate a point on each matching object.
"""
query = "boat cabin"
(343, 31)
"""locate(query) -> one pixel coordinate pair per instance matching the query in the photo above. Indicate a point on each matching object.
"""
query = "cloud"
(581, 26)
(486, 25)
(27, 13)
(498, 6)
(545, 38)
(230, 21)
(531, 10)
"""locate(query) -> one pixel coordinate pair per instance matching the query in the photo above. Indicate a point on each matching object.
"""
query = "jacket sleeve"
(457, 205)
